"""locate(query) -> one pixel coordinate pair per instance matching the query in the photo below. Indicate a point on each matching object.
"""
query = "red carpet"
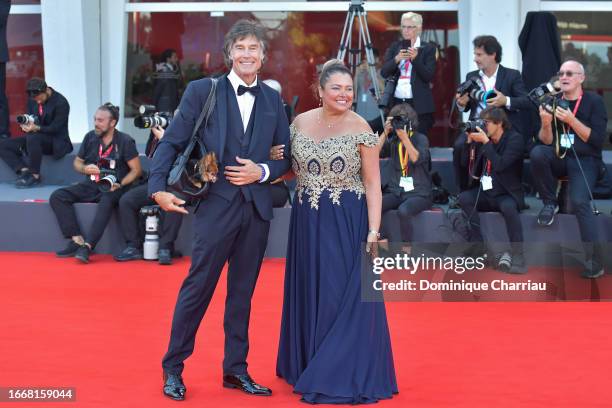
(103, 329)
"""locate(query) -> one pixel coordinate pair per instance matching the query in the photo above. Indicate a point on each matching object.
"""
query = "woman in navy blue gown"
(333, 348)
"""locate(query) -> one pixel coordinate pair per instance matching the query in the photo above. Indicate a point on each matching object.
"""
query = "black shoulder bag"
(184, 177)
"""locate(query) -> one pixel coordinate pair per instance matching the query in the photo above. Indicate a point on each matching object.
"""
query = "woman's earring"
(320, 102)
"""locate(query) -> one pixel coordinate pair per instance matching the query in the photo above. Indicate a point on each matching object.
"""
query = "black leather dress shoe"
(246, 384)
(129, 254)
(174, 387)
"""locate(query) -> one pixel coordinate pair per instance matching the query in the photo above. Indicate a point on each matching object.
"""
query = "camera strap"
(102, 155)
(403, 157)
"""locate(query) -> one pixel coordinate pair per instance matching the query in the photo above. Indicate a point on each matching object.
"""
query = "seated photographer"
(500, 86)
(406, 182)
(572, 141)
(409, 66)
(498, 153)
(46, 128)
(109, 160)
(129, 213)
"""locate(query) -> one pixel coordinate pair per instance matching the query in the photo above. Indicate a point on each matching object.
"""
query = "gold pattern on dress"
(333, 165)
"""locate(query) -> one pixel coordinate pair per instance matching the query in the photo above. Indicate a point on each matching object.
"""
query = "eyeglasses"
(408, 27)
(569, 74)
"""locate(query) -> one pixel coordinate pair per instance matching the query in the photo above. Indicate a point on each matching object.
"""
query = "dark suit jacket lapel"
(221, 113)
(259, 109)
(501, 77)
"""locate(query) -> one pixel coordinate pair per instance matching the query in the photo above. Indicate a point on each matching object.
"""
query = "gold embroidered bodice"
(333, 164)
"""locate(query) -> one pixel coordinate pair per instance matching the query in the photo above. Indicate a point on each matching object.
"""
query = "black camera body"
(472, 88)
(471, 125)
(149, 118)
(544, 94)
(27, 119)
(549, 103)
(399, 122)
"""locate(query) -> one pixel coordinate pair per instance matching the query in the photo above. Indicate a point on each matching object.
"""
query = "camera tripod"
(356, 10)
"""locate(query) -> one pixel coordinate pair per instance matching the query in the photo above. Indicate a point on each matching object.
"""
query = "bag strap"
(209, 107)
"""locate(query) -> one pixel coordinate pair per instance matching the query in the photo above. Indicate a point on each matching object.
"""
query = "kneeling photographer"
(132, 202)
(109, 160)
(572, 136)
(406, 182)
(496, 154)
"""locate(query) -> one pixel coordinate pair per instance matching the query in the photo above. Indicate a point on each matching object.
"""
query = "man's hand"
(91, 169)
(169, 202)
(158, 132)
(545, 117)
(565, 115)
(401, 55)
(499, 101)
(30, 127)
(412, 53)
(115, 187)
(480, 136)
(276, 152)
(248, 173)
(462, 100)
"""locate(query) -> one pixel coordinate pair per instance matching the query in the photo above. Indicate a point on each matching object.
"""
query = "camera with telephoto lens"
(472, 88)
(471, 125)
(149, 117)
(544, 94)
(107, 176)
(27, 119)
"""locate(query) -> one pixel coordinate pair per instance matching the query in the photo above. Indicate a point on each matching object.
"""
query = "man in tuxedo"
(411, 63)
(232, 223)
(510, 95)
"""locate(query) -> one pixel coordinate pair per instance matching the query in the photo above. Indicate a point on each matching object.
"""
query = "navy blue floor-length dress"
(333, 348)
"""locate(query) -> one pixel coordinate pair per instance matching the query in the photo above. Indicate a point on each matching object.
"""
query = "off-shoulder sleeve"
(368, 139)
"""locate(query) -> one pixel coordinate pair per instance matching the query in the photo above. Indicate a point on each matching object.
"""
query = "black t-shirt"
(123, 150)
(592, 113)
(419, 170)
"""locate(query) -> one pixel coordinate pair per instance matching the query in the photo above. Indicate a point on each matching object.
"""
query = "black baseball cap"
(36, 86)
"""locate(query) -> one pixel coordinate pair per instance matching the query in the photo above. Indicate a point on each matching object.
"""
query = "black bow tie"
(254, 90)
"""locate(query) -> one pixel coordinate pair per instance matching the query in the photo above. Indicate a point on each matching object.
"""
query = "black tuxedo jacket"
(270, 128)
(423, 70)
(510, 83)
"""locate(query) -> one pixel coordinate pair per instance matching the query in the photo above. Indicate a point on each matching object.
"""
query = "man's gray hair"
(242, 29)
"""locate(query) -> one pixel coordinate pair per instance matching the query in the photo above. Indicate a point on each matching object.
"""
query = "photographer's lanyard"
(103, 155)
(403, 156)
(565, 136)
(40, 110)
(471, 162)
(405, 71)
(406, 183)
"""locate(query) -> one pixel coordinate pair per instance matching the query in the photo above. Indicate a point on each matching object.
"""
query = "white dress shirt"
(246, 101)
(403, 89)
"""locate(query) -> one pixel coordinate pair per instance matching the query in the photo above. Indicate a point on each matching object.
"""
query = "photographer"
(572, 140)
(46, 128)
(409, 66)
(168, 81)
(499, 157)
(406, 182)
(129, 213)
(504, 87)
(109, 160)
